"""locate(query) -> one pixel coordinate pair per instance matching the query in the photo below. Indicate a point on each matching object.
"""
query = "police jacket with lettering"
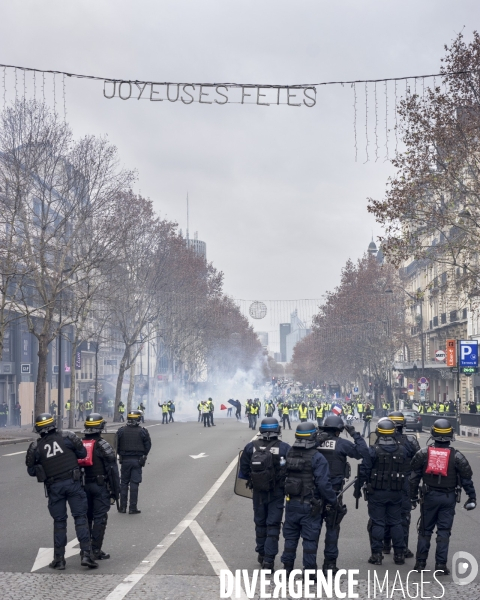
(315, 474)
(458, 466)
(57, 452)
(133, 440)
(337, 449)
(389, 465)
(279, 449)
(103, 456)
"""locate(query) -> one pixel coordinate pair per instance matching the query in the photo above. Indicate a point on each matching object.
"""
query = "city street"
(186, 529)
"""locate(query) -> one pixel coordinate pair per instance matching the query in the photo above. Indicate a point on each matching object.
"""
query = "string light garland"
(294, 95)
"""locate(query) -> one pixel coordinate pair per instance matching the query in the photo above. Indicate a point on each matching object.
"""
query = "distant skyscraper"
(285, 329)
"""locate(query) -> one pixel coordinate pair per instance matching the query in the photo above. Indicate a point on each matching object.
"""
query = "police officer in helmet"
(442, 469)
(263, 464)
(133, 446)
(307, 489)
(102, 481)
(336, 450)
(53, 459)
(385, 484)
(412, 446)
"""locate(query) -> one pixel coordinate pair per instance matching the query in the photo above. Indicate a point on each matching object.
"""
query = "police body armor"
(299, 482)
(447, 482)
(390, 470)
(337, 464)
(57, 460)
(131, 440)
(98, 467)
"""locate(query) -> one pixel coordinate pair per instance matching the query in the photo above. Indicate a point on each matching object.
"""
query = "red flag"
(223, 407)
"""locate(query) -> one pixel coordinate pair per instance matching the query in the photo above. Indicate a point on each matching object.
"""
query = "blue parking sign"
(468, 353)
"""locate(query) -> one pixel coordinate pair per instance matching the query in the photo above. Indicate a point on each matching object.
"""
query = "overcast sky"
(275, 192)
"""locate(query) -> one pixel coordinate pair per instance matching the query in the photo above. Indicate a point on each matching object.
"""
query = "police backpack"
(263, 469)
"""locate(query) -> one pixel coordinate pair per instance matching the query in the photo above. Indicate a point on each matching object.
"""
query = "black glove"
(414, 502)
(142, 461)
(350, 429)
(470, 504)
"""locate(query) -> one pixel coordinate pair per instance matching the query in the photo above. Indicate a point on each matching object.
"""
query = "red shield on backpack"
(437, 463)
(88, 460)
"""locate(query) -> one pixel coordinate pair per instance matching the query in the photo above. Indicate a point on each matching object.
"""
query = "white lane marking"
(45, 555)
(14, 453)
(213, 555)
(202, 455)
(156, 554)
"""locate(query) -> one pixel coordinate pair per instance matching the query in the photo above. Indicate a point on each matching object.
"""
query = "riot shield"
(111, 438)
(240, 488)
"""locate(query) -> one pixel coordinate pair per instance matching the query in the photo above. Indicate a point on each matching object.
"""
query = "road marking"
(213, 555)
(14, 453)
(156, 554)
(45, 555)
(202, 455)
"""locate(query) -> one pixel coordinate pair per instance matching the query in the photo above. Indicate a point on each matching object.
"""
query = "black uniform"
(307, 480)
(336, 450)
(133, 446)
(438, 499)
(56, 454)
(412, 446)
(99, 479)
(267, 505)
(385, 485)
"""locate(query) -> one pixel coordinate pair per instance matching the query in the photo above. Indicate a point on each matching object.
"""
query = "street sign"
(469, 353)
(469, 371)
(425, 381)
(355, 391)
(25, 368)
(423, 386)
(451, 353)
(440, 356)
(410, 386)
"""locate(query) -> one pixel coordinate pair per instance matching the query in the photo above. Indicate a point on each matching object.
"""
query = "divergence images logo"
(462, 562)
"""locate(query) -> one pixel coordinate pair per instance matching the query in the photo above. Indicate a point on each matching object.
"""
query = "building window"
(464, 313)
(453, 316)
(435, 321)
(443, 318)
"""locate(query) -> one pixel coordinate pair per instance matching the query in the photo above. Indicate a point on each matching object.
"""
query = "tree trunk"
(41, 388)
(118, 391)
(73, 383)
(130, 387)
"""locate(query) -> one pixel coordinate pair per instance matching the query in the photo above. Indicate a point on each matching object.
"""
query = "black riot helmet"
(333, 422)
(442, 430)
(44, 422)
(134, 417)
(385, 428)
(270, 428)
(398, 418)
(94, 423)
(306, 431)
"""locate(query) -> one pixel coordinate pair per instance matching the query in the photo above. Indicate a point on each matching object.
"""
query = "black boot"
(399, 558)
(376, 559)
(420, 565)
(100, 555)
(329, 565)
(260, 558)
(133, 510)
(122, 509)
(58, 562)
(268, 565)
(386, 548)
(442, 569)
(288, 568)
(87, 561)
(408, 553)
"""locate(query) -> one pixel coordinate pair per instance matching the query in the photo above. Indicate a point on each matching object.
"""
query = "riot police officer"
(102, 481)
(441, 468)
(133, 446)
(53, 459)
(307, 488)
(412, 447)
(263, 465)
(385, 483)
(336, 450)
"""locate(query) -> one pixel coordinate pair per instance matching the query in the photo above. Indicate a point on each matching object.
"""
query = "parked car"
(413, 420)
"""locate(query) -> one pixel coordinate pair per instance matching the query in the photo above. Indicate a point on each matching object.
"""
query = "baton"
(340, 493)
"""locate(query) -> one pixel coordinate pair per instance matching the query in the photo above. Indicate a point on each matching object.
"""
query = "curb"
(15, 441)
